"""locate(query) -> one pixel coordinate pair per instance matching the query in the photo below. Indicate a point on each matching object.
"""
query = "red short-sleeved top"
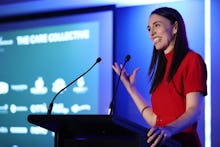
(169, 99)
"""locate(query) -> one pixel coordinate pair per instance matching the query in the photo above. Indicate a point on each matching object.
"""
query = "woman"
(178, 82)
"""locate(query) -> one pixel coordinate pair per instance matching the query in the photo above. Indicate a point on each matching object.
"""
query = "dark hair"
(158, 61)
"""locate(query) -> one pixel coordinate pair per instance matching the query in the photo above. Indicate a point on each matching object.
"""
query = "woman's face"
(162, 32)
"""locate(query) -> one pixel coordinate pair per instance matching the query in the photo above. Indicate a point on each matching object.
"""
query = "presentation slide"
(38, 58)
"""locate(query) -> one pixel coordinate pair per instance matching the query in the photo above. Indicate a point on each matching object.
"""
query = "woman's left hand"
(157, 135)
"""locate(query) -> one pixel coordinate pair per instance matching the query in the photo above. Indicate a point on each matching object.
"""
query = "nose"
(152, 32)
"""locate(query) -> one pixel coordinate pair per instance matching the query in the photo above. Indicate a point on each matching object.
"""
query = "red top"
(169, 99)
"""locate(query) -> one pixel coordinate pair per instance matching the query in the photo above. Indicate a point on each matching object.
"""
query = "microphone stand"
(51, 104)
(112, 104)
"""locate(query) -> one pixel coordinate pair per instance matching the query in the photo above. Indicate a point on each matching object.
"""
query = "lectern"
(91, 130)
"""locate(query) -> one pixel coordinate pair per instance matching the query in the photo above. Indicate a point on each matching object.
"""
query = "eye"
(157, 25)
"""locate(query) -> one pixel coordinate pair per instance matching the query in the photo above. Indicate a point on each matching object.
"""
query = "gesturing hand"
(128, 80)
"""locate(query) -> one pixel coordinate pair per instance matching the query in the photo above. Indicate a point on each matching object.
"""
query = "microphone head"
(127, 58)
(98, 60)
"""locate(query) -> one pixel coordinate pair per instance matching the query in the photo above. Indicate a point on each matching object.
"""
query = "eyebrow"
(155, 23)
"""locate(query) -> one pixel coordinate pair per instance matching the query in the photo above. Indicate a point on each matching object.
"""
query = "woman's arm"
(129, 83)
(143, 107)
(194, 101)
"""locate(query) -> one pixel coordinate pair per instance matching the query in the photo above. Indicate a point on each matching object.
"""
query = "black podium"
(91, 130)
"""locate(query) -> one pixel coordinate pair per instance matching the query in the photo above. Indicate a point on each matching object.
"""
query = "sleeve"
(195, 75)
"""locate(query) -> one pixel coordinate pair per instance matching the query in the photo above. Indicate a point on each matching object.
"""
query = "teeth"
(156, 40)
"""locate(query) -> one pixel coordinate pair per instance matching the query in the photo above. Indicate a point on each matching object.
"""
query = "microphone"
(112, 104)
(51, 104)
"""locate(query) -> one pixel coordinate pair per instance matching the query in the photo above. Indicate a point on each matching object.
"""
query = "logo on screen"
(4, 87)
(80, 88)
(39, 87)
(58, 84)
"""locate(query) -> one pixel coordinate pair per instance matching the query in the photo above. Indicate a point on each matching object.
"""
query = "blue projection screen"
(38, 57)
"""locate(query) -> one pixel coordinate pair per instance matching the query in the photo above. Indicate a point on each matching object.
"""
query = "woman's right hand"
(127, 80)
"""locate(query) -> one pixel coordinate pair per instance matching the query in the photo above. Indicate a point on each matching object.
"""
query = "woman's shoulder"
(193, 60)
(192, 55)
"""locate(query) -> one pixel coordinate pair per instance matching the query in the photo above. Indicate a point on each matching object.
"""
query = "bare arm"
(194, 101)
(129, 83)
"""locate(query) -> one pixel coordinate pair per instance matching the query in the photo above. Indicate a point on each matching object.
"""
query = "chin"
(159, 48)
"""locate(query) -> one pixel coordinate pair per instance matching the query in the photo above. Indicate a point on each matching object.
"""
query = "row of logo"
(40, 88)
(58, 108)
(23, 130)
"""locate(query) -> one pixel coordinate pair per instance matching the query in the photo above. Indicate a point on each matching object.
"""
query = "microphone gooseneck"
(112, 104)
(51, 104)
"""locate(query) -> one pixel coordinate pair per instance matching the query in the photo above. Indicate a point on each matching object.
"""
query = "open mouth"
(156, 40)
